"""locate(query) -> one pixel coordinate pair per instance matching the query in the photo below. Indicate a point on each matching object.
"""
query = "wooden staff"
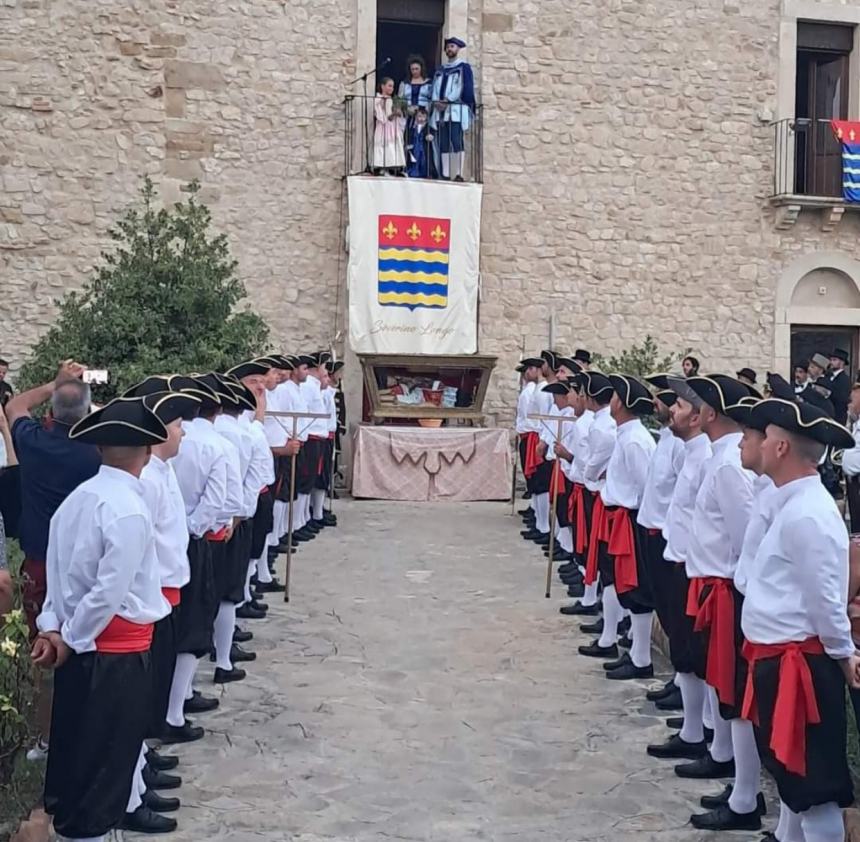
(559, 420)
(295, 416)
(331, 474)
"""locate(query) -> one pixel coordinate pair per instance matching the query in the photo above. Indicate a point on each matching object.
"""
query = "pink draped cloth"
(423, 463)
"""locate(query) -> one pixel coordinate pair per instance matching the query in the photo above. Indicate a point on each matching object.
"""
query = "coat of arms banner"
(413, 266)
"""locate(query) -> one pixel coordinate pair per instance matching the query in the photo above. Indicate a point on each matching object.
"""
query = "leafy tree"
(163, 301)
(640, 360)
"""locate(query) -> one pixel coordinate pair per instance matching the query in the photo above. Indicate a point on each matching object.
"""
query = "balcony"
(807, 172)
(373, 147)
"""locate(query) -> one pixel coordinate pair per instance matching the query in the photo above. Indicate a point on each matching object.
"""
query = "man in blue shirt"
(51, 467)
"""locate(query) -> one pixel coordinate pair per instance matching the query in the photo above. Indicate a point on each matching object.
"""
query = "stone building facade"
(629, 163)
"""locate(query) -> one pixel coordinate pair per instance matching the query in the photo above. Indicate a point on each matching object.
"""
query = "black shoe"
(576, 590)
(258, 606)
(542, 540)
(711, 802)
(160, 780)
(161, 762)
(226, 676)
(660, 692)
(570, 577)
(569, 567)
(670, 702)
(329, 519)
(595, 650)
(143, 820)
(186, 733)
(199, 703)
(625, 642)
(242, 636)
(158, 803)
(725, 818)
(271, 587)
(624, 626)
(285, 548)
(579, 610)
(300, 537)
(527, 495)
(627, 672)
(530, 534)
(559, 555)
(593, 628)
(706, 768)
(524, 511)
(677, 749)
(238, 655)
(248, 612)
(676, 723)
(620, 661)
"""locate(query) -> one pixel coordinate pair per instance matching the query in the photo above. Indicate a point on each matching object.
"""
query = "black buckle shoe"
(625, 642)
(677, 749)
(630, 671)
(711, 802)
(595, 650)
(670, 702)
(199, 703)
(161, 762)
(660, 692)
(143, 820)
(241, 635)
(706, 768)
(185, 733)
(159, 804)
(226, 676)
(620, 661)
(725, 818)
(248, 612)
(239, 655)
(592, 628)
(579, 610)
(271, 587)
(160, 780)
(576, 590)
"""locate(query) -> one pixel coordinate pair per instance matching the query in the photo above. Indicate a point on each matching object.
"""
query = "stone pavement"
(420, 687)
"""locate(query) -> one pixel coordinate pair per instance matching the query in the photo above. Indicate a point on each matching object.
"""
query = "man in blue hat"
(453, 96)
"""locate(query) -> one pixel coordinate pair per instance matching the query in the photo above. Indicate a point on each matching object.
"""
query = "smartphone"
(96, 376)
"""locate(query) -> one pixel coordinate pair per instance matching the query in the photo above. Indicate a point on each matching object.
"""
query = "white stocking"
(640, 629)
(542, 512)
(262, 565)
(721, 747)
(823, 823)
(225, 622)
(183, 675)
(446, 166)
(788, 829)
(693, 698)
(459, 158)
(318, 498)
(747, 767)
(612, 614)
(137, 785)
(590, 595)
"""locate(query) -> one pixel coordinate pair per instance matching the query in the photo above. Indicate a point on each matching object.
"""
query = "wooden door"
(828, 99)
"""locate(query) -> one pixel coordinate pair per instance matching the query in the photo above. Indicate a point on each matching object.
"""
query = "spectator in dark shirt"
(6, 391)
(51, 467)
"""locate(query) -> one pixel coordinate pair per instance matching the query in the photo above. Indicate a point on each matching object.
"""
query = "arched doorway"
(817, 309)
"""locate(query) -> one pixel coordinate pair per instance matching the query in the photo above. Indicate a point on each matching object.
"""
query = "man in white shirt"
(720, 519)
(794, 618)
(851, 460)
(530, 372)
(626, 584)
(579, 504)
(537, 468)
(103, 599)
(662, 475)
(686, 424)
(295, 399)
(319, 455)
(598, 448)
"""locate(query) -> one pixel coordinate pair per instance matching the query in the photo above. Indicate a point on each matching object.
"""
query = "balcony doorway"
(821, 95)
(405, 28)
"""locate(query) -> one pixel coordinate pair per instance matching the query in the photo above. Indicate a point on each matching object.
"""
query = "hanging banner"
(413, 266)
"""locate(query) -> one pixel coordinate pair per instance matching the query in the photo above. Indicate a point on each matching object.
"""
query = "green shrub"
(640, 360)
(162, 301)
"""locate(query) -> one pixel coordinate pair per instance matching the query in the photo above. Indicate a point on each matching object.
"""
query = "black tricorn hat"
(632, 393)
(169, 406)
(569, 363)
(582, 356)
(802, 419)
(531, 362)
(742, 412)
(250, 368)
(219, 386)
(666, 397)
(124, 422)
(658, 381)
(596, 383)
(779, 387)
(748, 373)
(576, 382)
(303, 359)
(322, 357)
(334, 366)
(557, 388)
(151, 385)
(840, 354)
(193, 386)
(244, 395)
(719, 391)
(550, 358)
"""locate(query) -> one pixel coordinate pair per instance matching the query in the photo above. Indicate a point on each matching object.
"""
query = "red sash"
(264, 490)
(717, 613)
(557, 482)
(121, 637)
(576, 509)
(172, 595)
(218, 537)
(622, 545)
(532, 459)
(795, 706)
(599, 532)
(694, 594)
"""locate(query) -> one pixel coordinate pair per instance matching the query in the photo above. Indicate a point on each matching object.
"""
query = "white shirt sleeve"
(851, 461)
(734, 496)
(637, 461)
(825, 583)
(125, 543)
(211, 502)
(600, 446)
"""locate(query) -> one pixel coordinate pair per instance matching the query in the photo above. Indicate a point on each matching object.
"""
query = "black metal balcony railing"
(807, 159)
(380, 139)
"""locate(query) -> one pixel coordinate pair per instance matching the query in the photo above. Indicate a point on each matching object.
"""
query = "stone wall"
(628, 162)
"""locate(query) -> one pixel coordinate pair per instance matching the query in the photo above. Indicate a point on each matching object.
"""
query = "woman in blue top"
(415, 91)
